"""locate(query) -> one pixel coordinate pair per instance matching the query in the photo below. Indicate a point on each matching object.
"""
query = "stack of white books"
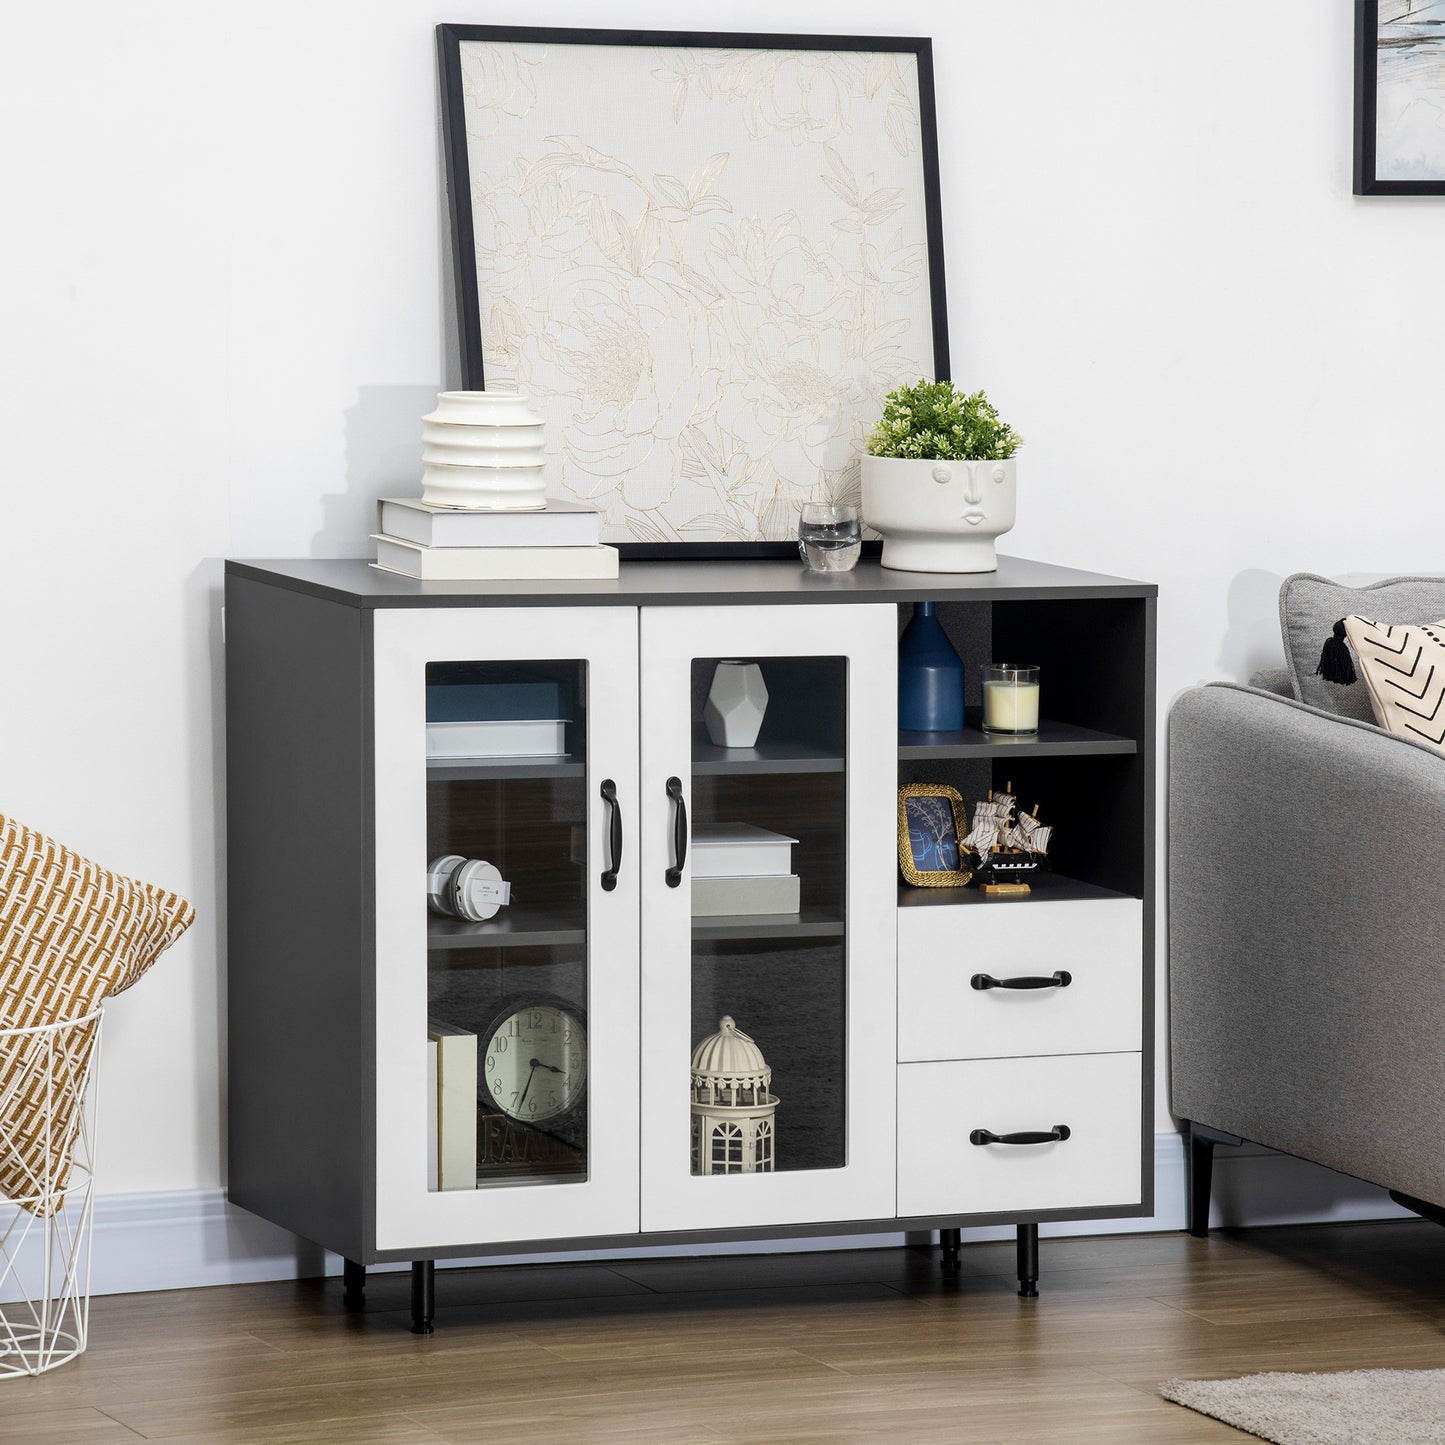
(479, 544)
(451, 1106)
(741, 868)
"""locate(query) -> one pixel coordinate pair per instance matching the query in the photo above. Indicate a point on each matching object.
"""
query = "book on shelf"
(502, 738)
(452, 1106)
(492, 564)
(739, 850)
(730, 897)
(558, 524)
(507, 695)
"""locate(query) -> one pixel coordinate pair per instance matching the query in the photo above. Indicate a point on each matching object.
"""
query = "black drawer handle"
(1061, 979)
(1058, 1133)
(609, 796)
(679, 832)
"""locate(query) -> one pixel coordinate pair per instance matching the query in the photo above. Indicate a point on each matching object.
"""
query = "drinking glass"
(830, 536)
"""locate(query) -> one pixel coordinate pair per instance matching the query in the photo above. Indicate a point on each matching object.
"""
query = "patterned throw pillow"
(1308, 607)
(71, 934)
(1404, 669)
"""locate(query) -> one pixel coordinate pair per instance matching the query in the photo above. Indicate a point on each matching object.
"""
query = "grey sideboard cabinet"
(519, 959)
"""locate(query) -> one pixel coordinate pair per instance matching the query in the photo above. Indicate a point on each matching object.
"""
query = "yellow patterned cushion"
(1404, 669)
(71, 934)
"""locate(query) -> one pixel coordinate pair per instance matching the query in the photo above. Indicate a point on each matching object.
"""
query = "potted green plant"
(939, 479)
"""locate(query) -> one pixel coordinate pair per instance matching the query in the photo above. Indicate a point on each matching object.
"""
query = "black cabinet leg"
(950, 1250)
(353, 1278)
(1199, 1170)
(1028, 1249)
(423, 1295)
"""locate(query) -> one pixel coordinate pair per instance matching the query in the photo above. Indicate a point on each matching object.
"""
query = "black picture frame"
(457, 158)
(1368, 50)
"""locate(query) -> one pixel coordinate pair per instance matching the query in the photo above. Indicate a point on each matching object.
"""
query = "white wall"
(221, 262)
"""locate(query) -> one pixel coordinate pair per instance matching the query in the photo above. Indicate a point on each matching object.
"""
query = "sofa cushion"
(71, 933)
(1309, 607)
(1403, 668)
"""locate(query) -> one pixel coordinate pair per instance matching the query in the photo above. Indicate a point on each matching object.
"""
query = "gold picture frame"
(931, 833)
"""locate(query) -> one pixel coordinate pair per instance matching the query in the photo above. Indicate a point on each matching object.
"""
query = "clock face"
(535, 1065)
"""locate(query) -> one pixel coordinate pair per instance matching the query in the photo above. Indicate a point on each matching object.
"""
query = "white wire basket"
(45, 1226)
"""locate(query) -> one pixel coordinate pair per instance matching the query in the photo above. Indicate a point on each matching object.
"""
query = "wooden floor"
(868, 1345)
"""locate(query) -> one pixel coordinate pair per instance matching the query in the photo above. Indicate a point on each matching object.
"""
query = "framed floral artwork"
(705, 258)
(1400, 97)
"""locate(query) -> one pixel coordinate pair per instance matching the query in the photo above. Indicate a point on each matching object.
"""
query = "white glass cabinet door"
(507, 903)
(768, 936)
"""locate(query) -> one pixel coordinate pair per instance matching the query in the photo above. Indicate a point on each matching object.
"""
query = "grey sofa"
(1306, 886)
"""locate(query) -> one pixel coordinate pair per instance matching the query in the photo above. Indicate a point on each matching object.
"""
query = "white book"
(558, 524)
(456, 1105)
(739, 850)
(723, 897)
(520, 738)
(492, 564)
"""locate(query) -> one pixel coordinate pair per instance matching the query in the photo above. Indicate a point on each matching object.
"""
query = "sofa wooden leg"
(1199, 1170)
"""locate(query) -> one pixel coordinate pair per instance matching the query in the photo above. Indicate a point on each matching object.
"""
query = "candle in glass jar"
(1010, 698)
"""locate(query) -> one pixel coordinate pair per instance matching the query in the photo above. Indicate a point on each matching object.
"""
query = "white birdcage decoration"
(732, 1108)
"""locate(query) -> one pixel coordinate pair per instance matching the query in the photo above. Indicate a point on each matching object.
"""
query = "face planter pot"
(939, 516)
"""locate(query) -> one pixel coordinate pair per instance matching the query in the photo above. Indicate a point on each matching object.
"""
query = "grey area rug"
(1353, 1407)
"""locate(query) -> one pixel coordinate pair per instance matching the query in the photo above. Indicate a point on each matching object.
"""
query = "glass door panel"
(507, 860)
(768, 794)
(507, 1021)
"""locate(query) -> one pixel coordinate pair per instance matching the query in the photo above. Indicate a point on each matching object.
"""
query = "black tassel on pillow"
(1335, 664)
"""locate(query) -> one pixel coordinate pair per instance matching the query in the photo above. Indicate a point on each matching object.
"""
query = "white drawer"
(940, 949)
(1097, 1096)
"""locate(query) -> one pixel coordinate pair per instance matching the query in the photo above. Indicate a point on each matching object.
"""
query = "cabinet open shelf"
(459, 770)
(810, 923)
(1046, 887)
(511, 928)
(1053, 739)
(767, 757)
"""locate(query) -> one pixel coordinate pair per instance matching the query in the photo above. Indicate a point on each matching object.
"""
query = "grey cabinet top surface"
(358, 584)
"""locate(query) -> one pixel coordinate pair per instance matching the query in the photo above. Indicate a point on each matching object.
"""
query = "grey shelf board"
(1047, 888)
(455, 770)
(512, 927)
(810, 923)
(770, 757)
(356, 583)
(1053, 739)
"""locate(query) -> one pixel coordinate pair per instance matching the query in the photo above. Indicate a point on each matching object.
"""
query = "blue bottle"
(930, 676)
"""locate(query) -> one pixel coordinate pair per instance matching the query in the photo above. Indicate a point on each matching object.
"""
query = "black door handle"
(609, 796)
(1061, 979)
(679, 832)
(987, 1136)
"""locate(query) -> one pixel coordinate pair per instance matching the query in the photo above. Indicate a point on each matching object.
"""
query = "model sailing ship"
(1007, 844)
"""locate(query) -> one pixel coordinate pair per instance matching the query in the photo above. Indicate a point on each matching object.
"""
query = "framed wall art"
(705, 258)
(1400, 97)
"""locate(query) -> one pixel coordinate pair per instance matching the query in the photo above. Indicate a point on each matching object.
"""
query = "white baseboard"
(192, 1238)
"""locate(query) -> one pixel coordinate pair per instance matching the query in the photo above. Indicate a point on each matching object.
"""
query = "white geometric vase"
(736, 702)
(939, 516)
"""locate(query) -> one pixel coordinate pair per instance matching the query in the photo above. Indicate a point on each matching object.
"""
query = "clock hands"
(536, 1064)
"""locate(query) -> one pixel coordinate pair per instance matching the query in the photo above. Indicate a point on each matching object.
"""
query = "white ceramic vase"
(939, 516)
(495, 488)
(484, 408)
(483, 449)
(736, 702)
